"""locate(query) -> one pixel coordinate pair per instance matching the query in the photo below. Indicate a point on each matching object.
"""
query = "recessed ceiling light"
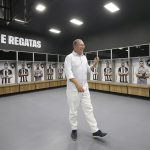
(76, 21)
(40, 7)
(112, 7)
(19, 20)
(56, 31)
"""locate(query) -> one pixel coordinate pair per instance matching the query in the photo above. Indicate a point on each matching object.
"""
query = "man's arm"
(147, 75)
(119, 72)
(91, 68)
(20, 75)
(78, 86)
(10, 75)
(26, 72)
(70, 76)
(110, 73)
(96, 60)
(138, 74)
(105, 74)
(126, 71)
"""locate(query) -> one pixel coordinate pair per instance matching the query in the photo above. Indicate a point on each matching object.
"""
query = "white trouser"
(74, 99)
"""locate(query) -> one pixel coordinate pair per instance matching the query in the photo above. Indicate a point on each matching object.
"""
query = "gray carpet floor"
(39, 121)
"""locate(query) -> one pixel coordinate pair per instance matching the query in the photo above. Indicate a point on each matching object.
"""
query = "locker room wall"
(49, 45)
(121, 36)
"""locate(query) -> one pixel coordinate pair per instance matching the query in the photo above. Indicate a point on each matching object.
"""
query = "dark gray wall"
(49, 45)
(124, 35)
(127, 35)
(121, 36)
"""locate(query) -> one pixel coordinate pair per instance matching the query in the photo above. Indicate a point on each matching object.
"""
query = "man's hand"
(79, 88)
(96, 60)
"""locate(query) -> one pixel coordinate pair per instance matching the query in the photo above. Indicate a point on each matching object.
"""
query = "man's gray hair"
(76, 41)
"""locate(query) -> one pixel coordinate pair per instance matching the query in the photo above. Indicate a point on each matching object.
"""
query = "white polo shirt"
(76, 66)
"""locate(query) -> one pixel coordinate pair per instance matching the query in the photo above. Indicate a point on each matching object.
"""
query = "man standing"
(76, 68)
(6, 74)
(123, 73)
(23, 73)
(95, 74)
(108, 72)
(50, 72)
(142, 74)
(60, 71)
(38, 74)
